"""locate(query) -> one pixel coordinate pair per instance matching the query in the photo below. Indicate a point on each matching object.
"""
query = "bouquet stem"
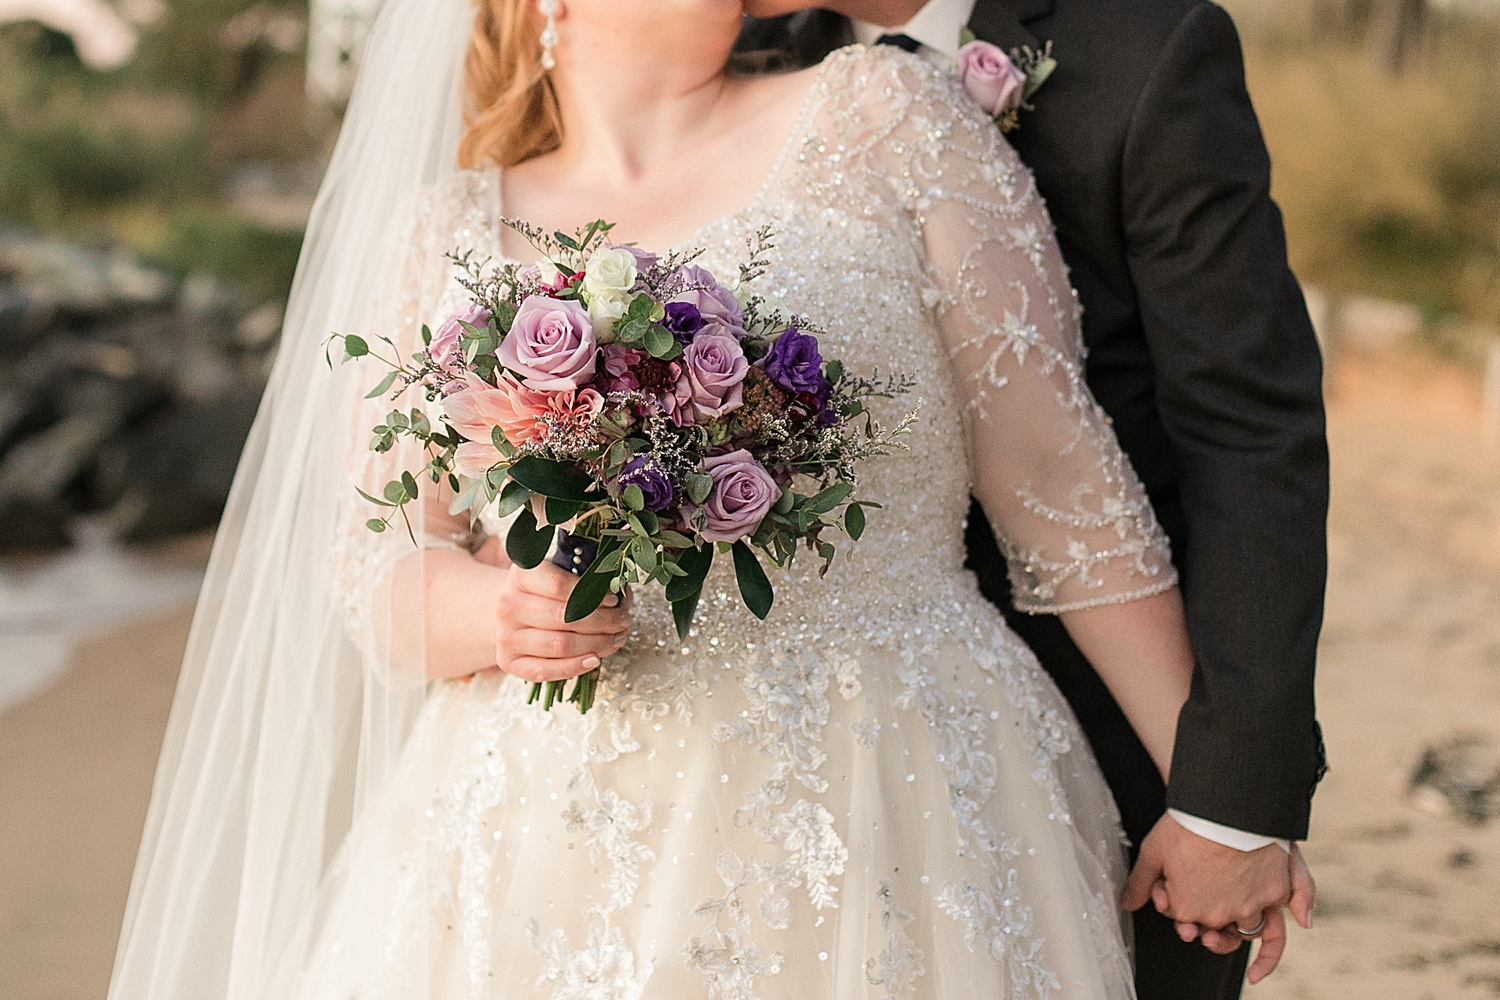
(574, 554)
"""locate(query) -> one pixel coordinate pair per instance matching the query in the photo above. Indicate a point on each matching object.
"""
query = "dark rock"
(120, 392)
(1466, 776)
(173, 471)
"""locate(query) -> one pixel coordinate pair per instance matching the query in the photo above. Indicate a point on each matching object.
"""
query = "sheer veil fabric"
(282, 727)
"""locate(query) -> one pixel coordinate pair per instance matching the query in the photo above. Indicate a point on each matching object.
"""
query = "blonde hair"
(512, 113)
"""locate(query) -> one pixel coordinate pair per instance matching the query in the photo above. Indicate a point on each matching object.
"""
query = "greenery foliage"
(143, 154)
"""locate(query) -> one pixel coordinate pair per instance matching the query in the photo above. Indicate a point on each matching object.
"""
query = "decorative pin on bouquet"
(637, 402)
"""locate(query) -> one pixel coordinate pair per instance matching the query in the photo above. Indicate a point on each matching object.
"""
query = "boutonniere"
(1003, 84)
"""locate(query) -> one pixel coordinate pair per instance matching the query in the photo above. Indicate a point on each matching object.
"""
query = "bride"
(875, 792)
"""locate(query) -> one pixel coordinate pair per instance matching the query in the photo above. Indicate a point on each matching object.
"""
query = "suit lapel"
(1003, 22)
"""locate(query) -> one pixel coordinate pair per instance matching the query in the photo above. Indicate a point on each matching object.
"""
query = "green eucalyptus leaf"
(854, 521)
(593, 586)
(504, 317)
(829, 498)
(375, 524)
(384, 386)
(699, 486)
(634, 498)
(648, 520)
(631, 330)
(659, 340)
(373, 500)
(512, 497)
(834, 371)
(553, 479)
(561, 511)
(527, 544)
(355, 347)
(683, 610)
(408, 481)
(754, 587)
(696, 562)
(395, 491)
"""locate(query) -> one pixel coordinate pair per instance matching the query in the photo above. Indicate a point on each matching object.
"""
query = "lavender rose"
(987, 73)
(715, 303)
(644, 259)
(715, 366)
(450, 333)
(743, 494)
(646, 472)
(684, 320)
(551, 345)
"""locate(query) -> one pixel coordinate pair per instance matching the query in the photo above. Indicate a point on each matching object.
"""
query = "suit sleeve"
(1238, 388)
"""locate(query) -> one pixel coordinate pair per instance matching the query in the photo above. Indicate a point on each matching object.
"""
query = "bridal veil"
(282, 726)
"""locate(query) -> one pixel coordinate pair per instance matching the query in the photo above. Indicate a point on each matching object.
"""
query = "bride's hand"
(534, 643)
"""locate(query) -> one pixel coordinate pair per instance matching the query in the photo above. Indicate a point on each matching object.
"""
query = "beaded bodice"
(907, 228)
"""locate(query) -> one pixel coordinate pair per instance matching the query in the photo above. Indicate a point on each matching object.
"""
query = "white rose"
(605, 309)
(609, 273)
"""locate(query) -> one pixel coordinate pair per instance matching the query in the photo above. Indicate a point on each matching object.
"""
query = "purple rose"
(794, 363)
(715, 303)
(987, 73)
(715, 365)
(450, 333)
(551, 345)
(646, 473)
(684, 320)
(743, 494)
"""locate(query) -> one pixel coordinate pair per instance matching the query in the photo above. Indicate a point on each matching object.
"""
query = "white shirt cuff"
(1240, 840)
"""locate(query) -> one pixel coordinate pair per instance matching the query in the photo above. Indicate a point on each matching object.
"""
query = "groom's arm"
(1238, 379)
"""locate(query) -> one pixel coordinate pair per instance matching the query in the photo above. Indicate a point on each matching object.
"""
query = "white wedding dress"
(874, 793)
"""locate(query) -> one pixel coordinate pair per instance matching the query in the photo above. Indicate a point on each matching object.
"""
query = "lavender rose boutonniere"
(1002, 84)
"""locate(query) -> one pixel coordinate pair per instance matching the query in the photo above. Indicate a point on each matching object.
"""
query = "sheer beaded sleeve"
(1067, 508)
(366, 561)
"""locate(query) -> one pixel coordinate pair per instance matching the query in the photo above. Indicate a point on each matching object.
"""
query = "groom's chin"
(776, 8)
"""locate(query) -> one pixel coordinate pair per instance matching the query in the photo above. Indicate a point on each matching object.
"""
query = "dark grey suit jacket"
(1148, 151)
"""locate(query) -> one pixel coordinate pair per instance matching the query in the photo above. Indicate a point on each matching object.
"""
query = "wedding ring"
(1253, 932)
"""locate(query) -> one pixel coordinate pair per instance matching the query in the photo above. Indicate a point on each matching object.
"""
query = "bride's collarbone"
(680, 194)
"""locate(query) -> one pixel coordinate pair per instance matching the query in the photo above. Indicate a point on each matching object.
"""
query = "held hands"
(534, 643)
(1208, 889)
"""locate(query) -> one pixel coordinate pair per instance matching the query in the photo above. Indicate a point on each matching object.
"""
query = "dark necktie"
(904, 42)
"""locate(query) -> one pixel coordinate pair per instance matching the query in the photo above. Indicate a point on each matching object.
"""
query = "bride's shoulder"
(891, 90)
(893, 82)
(458, 199)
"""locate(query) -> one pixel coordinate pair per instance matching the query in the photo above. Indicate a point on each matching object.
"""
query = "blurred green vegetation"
(1390, 181)
(143, 155)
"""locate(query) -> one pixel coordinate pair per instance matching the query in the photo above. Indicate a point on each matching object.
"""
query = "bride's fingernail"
(590, 662)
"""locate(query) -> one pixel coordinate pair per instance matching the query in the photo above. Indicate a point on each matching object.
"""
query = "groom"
(1147, 149)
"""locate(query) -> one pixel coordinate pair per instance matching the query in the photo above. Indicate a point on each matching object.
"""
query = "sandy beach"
(1408, 888)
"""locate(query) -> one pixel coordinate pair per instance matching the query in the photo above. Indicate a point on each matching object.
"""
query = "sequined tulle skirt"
(910, 811)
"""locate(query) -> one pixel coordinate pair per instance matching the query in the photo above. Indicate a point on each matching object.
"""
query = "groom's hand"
(1200, 884)
(1225, 941)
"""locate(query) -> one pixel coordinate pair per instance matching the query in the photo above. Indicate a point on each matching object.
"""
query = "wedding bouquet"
(650, 410)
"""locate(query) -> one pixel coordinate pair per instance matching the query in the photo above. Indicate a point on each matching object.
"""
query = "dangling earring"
(549, 33)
